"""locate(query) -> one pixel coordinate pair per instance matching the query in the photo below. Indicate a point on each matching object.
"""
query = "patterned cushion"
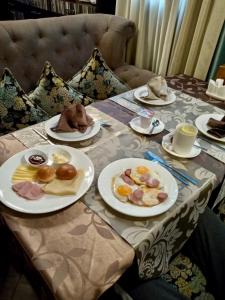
(53, 94)
(187, 278)
(97, 80)
(16, 110)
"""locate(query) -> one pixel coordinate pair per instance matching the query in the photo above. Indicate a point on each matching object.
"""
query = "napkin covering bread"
(73, 118)
(64, 187)
(217, 127)
(157, 88)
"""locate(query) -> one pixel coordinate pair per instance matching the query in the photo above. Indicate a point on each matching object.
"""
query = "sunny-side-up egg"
(153, 196)
(140, 174)
(121, 189)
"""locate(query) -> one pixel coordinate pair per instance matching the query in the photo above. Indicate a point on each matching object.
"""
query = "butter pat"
(60, 156)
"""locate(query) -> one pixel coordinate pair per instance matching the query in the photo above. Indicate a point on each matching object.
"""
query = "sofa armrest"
(133, 76)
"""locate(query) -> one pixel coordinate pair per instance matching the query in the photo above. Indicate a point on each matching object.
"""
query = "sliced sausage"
(145, 177)
(152, 182)
(162, 196)
(136, 197)
(127, 172)
(127, 179)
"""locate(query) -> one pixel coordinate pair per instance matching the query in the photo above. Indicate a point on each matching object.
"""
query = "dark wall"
(4, 10)
(106, 6)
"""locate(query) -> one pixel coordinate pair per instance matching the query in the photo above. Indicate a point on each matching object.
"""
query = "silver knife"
(43, 136)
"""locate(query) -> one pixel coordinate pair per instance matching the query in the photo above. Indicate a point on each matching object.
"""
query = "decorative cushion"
(187, 278)
(97, 80)
(16, 110)
(53, 94)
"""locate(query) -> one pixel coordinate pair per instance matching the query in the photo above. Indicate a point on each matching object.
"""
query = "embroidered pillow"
(16, 110)
(97, 80)
(53, 94)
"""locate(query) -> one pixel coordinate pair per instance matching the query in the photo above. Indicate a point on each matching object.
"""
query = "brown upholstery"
(67, 42)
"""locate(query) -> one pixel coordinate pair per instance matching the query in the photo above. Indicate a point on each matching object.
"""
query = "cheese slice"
(64, 187)
(24, 173)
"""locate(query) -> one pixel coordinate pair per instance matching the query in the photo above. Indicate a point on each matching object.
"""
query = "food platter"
(105, 188)
(48, 203)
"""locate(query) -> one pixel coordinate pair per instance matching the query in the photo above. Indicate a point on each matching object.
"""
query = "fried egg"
(140, 174)
(121, 189)
(153, 196)
(150, 196)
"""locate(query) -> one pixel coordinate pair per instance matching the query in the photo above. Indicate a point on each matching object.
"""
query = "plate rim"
(147, 210)
(197, 120)
(95, 130)
(153, 103)
(75, 198)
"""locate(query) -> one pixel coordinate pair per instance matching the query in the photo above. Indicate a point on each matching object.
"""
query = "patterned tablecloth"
(76, 242)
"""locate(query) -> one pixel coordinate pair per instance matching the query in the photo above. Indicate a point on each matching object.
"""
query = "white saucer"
(143, 91)
(167, 146)
(135, 125)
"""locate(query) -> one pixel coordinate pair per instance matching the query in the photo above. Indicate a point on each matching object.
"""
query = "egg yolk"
(124, 190)
(142, 170)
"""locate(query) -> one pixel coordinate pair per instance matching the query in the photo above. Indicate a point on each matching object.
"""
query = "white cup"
(145, 118)
(184, 138)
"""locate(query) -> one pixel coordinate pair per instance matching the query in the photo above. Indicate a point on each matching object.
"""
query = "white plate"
(201, 124)
(48, 203)
(143, 91)
(71, 136)
(135, 125)
(116, 167)
(167, 146)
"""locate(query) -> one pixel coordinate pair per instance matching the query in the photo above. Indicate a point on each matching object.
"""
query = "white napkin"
(157, 88)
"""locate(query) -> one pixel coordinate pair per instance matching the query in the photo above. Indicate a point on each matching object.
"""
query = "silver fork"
(155, 123)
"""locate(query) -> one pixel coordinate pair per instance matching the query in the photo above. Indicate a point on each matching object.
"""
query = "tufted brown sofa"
(67, 42)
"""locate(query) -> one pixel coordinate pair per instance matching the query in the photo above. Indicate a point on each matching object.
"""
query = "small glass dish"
(60, 156)
(36, 158)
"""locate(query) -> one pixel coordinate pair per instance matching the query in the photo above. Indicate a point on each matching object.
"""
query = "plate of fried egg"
(137, 187)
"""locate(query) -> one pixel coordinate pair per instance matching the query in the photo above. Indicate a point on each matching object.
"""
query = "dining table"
(81, 250)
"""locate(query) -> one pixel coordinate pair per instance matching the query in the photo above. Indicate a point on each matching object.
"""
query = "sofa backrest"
(66, 42)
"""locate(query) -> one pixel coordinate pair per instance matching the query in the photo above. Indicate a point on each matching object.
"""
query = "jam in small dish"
(36, 158)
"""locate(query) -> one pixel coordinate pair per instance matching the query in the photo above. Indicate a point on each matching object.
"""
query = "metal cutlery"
(155, 123)
(200, 147)
(105, 124)
(130, 100)
(152, 156)
(43, 136)
(212, 143)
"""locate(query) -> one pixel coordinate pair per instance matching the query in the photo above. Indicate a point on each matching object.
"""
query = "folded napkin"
(73, 118)
(157, 88)
(217, 127)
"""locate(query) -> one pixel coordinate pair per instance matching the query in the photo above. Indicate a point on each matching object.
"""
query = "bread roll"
(66, 172)
(46, 173)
